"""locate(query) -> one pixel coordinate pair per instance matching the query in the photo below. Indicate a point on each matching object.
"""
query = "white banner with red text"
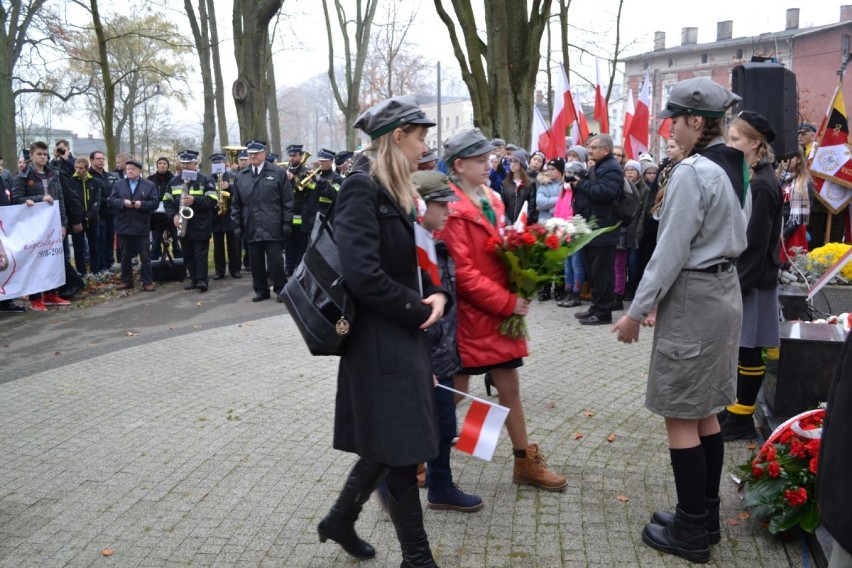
(31, 238)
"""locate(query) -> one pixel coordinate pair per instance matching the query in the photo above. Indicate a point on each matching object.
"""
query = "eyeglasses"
(594, 147)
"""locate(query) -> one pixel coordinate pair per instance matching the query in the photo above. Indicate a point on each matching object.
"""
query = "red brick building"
(814, 54)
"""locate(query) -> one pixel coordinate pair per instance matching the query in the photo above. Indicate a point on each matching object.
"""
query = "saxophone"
(186, 212)
(222, 197)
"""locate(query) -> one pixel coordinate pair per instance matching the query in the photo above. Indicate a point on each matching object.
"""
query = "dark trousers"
(131, 245)
(106, 240)
(296, 247)
(600, 272)
(91, 236)
(222, 243)
(195, 253)
(263, 254)
(439, 475)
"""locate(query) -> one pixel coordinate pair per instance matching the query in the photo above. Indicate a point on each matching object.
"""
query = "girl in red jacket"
(484, 299)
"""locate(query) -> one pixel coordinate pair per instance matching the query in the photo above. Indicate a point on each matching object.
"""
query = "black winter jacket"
(29, 186)
(757, 266)
(203, 192)
(595, 195)
(262, 206)
(131, 221)
(446, 360)
(88, 191)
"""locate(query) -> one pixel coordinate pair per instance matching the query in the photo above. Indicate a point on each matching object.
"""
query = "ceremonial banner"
(835, 197)
(481, 429)
(832, 160)
(32, 240)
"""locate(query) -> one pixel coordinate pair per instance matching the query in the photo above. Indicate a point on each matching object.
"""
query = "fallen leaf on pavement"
(751, 446)
(610, 438)
(623, 498)
(578, 435)
(744, 515)
(587, 413)
(107, 552)
(549, 404)
(57, 354)
(196, 326)
(199, 304)
(131, 334)
(732, 522)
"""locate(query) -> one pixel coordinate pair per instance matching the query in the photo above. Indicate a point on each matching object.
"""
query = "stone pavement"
(213, 448)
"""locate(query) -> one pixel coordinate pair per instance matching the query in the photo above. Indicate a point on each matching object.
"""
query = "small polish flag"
(521, 223)
(427, 258)
(481, 429)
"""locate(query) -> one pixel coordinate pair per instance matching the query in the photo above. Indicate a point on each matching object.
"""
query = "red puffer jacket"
(482, 285)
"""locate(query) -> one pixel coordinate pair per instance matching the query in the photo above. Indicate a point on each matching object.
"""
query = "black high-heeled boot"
(407, 516)
(339, 524)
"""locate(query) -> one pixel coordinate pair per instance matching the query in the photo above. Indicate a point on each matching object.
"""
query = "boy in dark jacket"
(434, 189)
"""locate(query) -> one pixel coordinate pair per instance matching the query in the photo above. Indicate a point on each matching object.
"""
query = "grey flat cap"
(467, 143)
(391, 113)
(699, 96)
(498, 142)
(433, 186)
(430, 156)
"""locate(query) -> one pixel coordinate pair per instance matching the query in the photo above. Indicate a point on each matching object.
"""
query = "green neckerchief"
(488, 211)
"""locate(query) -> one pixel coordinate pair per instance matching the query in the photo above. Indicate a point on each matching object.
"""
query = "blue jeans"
(438, 474)
(575, 272)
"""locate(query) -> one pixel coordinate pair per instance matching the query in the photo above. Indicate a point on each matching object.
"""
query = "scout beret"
(467, 143)
(429, 156)
(699, 96)
(498, 142)
(135, 162)
(389, 114)
(433, 186)
(255, 146)
(759, 123)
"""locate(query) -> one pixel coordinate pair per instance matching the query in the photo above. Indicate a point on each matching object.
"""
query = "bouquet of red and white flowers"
(536, 255)
(780, 481)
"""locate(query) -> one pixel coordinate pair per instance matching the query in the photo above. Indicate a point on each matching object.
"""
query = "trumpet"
(185, 211)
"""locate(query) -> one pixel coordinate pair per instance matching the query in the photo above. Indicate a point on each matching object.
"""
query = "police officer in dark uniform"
(223, 227)
(295, 248)
(323, 187)
(343, 162)
(201, 199)
(243, 162)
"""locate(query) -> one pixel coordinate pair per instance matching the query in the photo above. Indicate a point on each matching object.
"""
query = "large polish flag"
(601, 110)
(542, 139)
(564, 114)
(638, 132)
(481, 429)
(628, 118)
(580, 130)
(427, 258)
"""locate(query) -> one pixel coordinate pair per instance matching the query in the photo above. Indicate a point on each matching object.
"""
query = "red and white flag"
(665, 129)
(427, 258)
(541, 136)
(580, 130)
(601, 110)
(637, 134)
(564, 114)
(524, 215)
(482, 425)
(628, 119)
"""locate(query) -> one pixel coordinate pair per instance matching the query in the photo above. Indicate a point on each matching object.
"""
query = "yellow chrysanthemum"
(823, 257)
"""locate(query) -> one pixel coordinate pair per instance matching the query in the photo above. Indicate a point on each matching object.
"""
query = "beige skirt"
(693, 371)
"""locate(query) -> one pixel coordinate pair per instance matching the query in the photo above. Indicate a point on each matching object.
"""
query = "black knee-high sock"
(750, 373)
(714, 456)
(690, 474)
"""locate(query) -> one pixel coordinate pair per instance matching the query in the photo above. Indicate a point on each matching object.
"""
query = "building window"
(671, 61)
(703, 58)
(739, 53)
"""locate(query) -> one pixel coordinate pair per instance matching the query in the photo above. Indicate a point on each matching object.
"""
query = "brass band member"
(223, 227)
(295, 248)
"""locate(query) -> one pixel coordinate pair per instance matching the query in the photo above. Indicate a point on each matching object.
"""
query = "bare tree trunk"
(616, 52)
(272, 101)
(350, 107)
(221, 121)
(201, 38)
(109, 85)
(563, 27)
(251, 46)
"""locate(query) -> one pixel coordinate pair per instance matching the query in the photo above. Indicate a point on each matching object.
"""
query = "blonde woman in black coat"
(385, 409)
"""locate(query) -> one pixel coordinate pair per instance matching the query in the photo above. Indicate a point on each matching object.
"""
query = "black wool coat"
(262, 206)
(595, 195)
(132, 222)
(835, 458)
(385, 404)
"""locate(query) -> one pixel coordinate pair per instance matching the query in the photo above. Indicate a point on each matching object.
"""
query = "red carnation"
(552, 241)
(770, 453)
(492, 244)
(786, 436)
(756, 471)
(813, 447)
(796, 497)
(813, 465)
(773, 469)
(528, 239)
(798, 449)
(537, 230)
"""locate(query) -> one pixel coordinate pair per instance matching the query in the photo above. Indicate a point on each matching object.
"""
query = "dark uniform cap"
(433, 186)
(217, 157)
(429, 156)
(188, 156)
(391, 113)
(243, 154)
(272, 157)
(467, 143)
(135, 162)
(759, 123)
(341, 157)
(325, 154)
(255, 146)
(294, 149)
(807, 126)
(699, 96)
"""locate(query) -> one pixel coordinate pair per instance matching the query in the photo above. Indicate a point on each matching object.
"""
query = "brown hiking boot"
(532, 470)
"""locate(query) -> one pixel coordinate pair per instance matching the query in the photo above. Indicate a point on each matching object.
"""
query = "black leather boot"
(407, 516)
(339, 524)
(714, 531)
(618, 305)
(685, 537)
